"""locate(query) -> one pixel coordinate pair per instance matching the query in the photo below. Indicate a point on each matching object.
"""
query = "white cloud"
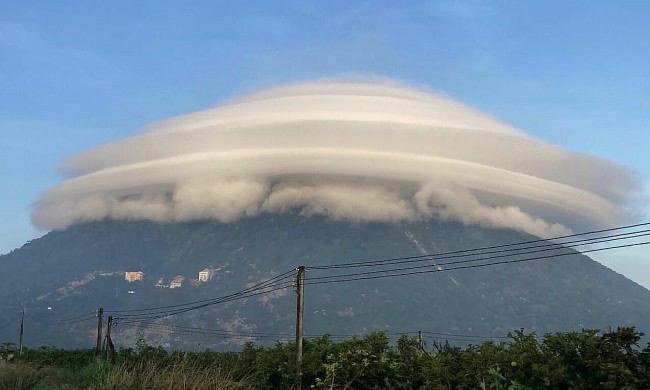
(360, 151)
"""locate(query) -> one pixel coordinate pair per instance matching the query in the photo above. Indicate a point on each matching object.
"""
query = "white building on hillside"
(205, 275)
(133, 276)
(176, 281)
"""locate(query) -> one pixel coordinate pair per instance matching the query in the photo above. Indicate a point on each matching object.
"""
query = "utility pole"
(300, 311)
(22, 328)
(100, 314)
(109, 342)
(421, 344)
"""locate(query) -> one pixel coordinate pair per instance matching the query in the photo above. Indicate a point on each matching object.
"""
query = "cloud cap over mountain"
(359, 151)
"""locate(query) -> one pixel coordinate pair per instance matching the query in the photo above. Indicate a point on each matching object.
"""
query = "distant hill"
(72, 272)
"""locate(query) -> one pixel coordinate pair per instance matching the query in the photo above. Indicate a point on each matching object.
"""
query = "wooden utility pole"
(22, 329)
(100, 314)
(109, 343)
(421, 344)
(300, 311)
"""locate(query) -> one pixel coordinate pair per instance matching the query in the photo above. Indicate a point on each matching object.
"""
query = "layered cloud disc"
(358, 151)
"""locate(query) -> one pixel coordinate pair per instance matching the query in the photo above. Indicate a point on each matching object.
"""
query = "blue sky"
(76, 74)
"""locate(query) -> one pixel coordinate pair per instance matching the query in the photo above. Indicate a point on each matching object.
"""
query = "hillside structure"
(133, 276)
(177, 281)
(205, 275)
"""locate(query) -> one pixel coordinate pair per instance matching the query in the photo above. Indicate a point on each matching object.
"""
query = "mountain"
(69, 273)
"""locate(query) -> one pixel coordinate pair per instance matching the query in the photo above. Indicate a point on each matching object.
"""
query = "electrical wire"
(451, 255)
(284, 336)
(184, 310)
(76, 320)
(239, 295)
(272, 284)
(275, 283)
(480, 249)
(211, 332)
(352, 276)
(256, 286)
(439, 264)
(424, 332)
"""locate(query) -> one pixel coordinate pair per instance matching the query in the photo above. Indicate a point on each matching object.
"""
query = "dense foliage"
(573, 360)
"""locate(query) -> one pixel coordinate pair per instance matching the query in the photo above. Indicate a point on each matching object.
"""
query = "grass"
(101, 376)
(28, 376)
(147, 376)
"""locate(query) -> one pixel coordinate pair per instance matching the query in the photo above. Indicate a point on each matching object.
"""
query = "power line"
(467, 340)
(208, 332)
(254, 287)
(479, 249)
(242, 333)
(285, 336)
(435, 257)
(226, 332)
(239, 295)
(265, 287)
(349, 277)
(438, 264)
(184, 310)
(463, 335)
(71, 321)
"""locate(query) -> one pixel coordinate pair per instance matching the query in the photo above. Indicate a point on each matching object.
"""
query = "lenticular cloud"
(356, 151)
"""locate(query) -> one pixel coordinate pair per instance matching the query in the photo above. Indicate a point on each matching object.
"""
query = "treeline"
(572, 360)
